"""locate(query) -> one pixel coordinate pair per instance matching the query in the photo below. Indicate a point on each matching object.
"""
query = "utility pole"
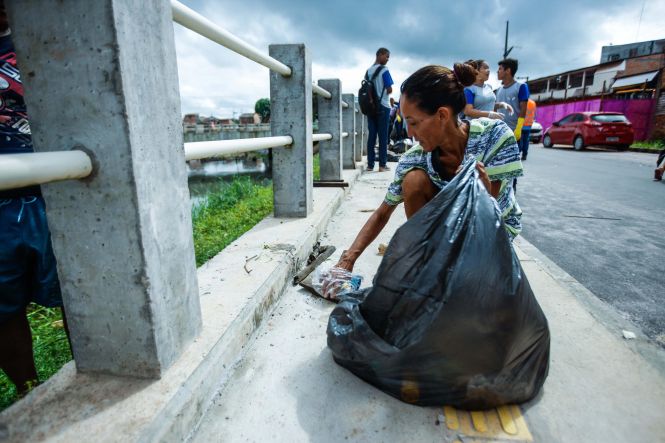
(507, 50)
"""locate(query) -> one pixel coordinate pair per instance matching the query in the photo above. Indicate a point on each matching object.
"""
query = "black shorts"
(27, 265)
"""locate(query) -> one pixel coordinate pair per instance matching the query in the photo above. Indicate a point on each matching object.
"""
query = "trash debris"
(451, 318)
(628, 335)
(331, 283)
(318, 256)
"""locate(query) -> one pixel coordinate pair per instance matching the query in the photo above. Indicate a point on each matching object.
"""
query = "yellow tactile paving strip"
(503, 424)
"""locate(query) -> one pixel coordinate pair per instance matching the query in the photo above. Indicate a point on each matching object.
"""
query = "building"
(630, 50)
(634, 86)
(249, 118)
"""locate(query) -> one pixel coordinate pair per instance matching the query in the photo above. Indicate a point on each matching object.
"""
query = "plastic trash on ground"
(331, 283)
(451, 318)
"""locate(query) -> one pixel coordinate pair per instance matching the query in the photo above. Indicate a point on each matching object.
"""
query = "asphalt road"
(598, 215)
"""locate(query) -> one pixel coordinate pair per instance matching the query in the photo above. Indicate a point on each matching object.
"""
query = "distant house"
(190, 119)
(249, 118)
(621, 52)
(634, 86)
(215, 123)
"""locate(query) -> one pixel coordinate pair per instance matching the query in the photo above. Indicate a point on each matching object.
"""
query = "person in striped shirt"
(431, 101)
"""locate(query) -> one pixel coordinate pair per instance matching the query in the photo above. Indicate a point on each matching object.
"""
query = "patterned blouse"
(490, 141)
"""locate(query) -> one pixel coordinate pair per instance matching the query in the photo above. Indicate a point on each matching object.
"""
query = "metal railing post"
(348, 118)
(330, 121)
(358, 143)
(291, 114)
(123, 238)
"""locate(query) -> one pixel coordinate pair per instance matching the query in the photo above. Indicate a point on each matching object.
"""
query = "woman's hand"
(482, 175)
(494, 115)
(346, 261)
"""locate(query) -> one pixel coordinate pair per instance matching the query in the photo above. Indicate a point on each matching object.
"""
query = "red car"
(590, 128)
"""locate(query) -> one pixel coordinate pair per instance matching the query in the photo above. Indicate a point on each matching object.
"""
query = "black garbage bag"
(451, 318)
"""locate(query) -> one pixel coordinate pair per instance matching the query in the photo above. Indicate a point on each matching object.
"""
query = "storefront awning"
(633, 80)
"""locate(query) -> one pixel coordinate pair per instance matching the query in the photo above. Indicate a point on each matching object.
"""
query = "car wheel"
(623, 147)
(578, 143)
(547, 141)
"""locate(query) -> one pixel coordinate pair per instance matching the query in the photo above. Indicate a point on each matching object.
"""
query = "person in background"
(660, 166)
(431, 101)
(516, 94)
(27, 264)
(379, 124)
(480, 98)
(529, 118)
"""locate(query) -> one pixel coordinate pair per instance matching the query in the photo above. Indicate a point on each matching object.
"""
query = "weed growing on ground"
(655, 145)
(230, 210)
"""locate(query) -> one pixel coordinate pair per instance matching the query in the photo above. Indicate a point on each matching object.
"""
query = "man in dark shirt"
(27, 264)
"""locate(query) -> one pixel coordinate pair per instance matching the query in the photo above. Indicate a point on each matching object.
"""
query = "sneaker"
(657, 175)
(384, 168)
(523, 157)
(369, 169)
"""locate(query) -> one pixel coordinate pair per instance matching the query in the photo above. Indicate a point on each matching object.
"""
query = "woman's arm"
(470, 111)
(374, 225)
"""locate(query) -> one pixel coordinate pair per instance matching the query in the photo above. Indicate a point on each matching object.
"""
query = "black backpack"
(369, 103)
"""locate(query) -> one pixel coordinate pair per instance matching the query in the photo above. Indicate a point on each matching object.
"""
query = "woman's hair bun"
(465, 73)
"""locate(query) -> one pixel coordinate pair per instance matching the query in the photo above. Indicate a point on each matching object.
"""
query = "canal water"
(203, 177)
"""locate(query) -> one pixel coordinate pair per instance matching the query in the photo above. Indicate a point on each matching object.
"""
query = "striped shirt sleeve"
(502, 158)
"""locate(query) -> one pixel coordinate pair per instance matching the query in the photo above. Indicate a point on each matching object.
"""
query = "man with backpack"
(374, 98)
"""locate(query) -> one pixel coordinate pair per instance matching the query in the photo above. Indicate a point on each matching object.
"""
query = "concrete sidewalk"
(601, 387)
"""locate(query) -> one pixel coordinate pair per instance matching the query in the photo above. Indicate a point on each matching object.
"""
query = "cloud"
(342, 36)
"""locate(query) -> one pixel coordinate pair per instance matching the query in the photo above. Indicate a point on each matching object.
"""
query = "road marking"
(503, 424)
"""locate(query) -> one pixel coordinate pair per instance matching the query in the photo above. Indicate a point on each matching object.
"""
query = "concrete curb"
(236, 295)
(646, 151)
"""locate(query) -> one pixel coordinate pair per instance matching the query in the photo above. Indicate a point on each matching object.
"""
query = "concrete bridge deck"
(288, 388)
(261, 371)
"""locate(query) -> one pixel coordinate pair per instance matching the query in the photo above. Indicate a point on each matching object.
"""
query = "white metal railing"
(196, 22)
(20, 170)
(38, 168)
(199, 150)
(316, 89)
(321, 137)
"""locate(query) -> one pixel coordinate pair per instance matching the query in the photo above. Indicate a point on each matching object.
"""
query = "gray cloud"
(549, 37)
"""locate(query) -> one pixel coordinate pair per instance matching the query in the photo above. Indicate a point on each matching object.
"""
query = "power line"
(639, 23)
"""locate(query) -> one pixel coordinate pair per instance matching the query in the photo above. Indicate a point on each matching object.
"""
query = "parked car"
(536, 134)
(591, 128)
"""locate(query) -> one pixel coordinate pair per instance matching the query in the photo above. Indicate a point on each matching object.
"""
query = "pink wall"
(638, 111)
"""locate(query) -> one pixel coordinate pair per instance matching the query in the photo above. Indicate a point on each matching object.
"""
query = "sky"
(342, 36)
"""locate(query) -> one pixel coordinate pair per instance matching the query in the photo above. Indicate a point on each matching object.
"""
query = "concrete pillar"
(330, 122)
(358, 143)
(102, 76)
(291, 114)
(348, 122)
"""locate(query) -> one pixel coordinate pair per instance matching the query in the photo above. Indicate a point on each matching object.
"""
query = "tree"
(262, 107)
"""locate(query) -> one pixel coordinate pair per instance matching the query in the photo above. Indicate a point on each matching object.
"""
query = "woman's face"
(427, 129)
(483, 72)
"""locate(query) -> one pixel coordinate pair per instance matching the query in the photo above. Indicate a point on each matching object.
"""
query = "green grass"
(655, 145)
(317, 167)
(51, 349)
(230, 210)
